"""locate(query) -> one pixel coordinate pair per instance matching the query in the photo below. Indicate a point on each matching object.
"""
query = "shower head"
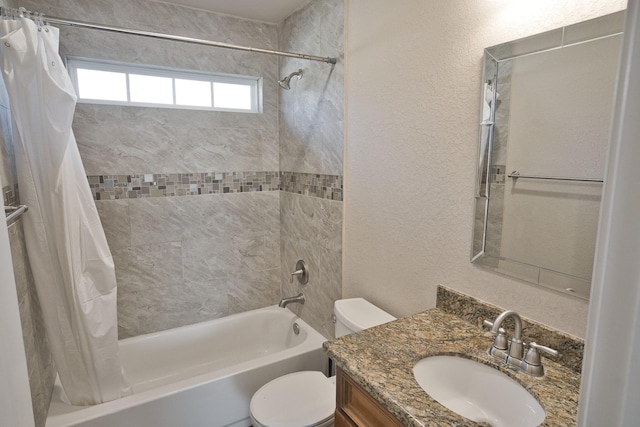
(285, 83)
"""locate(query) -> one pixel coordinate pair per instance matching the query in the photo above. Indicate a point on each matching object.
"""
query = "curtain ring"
(41, 23)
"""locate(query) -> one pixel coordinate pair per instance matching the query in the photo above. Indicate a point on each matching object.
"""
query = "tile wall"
(190, 200)
(311, 142)
(181, 260)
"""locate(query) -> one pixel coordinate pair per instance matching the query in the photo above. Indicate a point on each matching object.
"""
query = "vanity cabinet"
(356, 408)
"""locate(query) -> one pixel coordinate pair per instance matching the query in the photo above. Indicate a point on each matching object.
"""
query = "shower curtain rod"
(38, 17)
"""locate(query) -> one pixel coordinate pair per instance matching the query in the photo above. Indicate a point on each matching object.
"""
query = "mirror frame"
(594, 29)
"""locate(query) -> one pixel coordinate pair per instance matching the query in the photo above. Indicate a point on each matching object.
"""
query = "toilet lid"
(294, 400)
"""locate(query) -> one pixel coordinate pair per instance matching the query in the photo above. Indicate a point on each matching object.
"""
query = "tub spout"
(286, 301)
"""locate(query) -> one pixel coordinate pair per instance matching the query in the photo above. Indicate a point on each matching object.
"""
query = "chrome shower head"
(285, 83)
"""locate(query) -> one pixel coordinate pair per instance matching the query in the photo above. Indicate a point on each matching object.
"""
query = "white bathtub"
(201, 375)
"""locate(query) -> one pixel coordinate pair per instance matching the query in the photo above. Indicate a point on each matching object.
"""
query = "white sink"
(478, 392)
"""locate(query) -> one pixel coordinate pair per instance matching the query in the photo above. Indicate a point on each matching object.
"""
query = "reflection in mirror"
(545, 119)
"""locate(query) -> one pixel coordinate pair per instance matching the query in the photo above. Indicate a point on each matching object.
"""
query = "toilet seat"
(305, 398)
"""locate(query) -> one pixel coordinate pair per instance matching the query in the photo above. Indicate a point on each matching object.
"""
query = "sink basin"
(478, 392)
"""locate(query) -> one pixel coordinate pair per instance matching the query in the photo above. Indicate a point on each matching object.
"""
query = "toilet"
(308, 398)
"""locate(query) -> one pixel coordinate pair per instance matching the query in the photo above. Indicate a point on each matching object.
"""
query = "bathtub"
(203, 374)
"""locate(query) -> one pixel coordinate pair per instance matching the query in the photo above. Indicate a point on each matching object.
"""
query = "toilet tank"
(356, 314)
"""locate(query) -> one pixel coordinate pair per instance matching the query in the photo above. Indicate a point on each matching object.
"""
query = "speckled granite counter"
(381, 360)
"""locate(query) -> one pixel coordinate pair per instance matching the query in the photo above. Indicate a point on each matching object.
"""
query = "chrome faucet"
(512, 352)
(286, 301)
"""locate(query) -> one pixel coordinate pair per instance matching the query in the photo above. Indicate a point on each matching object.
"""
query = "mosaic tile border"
(11, 195)
(114, 187)
(316, 185)
(498, 174)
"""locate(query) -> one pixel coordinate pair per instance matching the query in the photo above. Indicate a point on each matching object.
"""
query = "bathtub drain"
(296, 329)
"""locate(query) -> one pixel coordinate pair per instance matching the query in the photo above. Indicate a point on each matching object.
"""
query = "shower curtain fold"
(68, 252)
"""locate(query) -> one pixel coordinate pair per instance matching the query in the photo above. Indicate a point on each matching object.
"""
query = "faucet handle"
(296, 273)
(302, 271)
(533, 356)
(500, 342)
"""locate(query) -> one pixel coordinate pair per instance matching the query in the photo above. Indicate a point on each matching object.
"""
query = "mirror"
(546, 109)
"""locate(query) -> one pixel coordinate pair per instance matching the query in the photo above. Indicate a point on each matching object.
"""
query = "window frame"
(255, 83)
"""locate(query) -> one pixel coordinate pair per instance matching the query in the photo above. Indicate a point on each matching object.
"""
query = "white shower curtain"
(71, 262)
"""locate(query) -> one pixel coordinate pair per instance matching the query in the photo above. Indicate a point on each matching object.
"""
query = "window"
(102, 82)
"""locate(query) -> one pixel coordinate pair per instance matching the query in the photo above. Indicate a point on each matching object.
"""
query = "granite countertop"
(381, 360)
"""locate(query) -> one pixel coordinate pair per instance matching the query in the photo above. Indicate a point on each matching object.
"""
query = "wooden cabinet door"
(342, 421)
(358, 407)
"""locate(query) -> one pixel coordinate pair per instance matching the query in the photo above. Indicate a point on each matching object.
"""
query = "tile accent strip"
(498, 174)
(316, 185)
(113, 187)
(10, 195)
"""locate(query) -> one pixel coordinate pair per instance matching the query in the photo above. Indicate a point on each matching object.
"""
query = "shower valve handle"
(302, 271)
(296, 273)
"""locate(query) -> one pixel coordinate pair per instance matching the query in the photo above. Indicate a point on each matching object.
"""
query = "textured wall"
(413, 84)
(185, 257)
(311, 142)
